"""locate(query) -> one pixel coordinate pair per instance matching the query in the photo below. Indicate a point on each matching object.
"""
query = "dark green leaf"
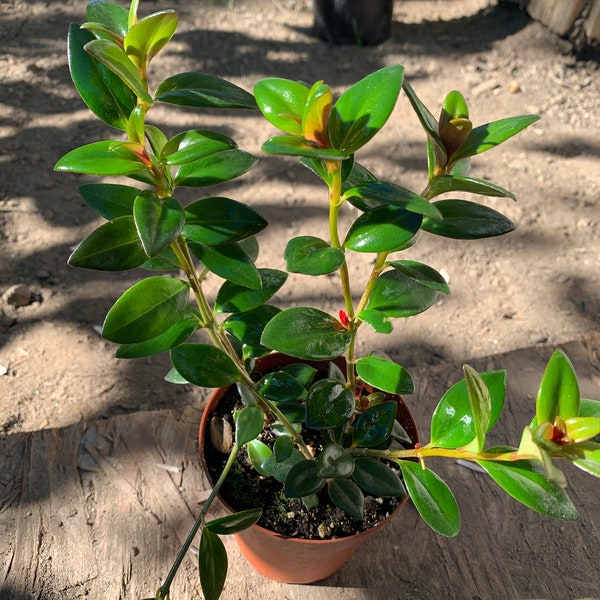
(362, 110)
(588, 458)
(441, 184)
(258, 452)
(201, 90)
(156, 138)
(189, 146)
(376, 478)
(204, 365)
(280, 470)
(101, 158)
(335, 461)
(385, 375)
(108, 199)
(466, 220)
(215, 168)
(347, 496)
(248, 326)
(422, 274)
(165, 261)
(146, 310)
(283, 448)
(248, 424)
(312, 256)
(379, 321)
(302, 372)
(329, 404)
(234, 523)
(432, 498)
(149, 36)
(212, 564)
(282, 103)
(302, 480)
(306, 333)
(233, 298)
(281, 387)
(296, 145)
(109, 14)
(114, 246)
(374, 425)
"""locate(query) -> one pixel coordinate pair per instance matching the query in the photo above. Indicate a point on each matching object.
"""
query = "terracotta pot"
(353, 22)
(294, 560)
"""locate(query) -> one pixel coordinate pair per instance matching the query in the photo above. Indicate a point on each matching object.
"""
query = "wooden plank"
(592, 23)
(556, 14)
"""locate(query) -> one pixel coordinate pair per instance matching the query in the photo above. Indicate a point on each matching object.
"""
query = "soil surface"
(538, 285)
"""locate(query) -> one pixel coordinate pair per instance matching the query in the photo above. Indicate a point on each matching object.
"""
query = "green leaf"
(248, 424)
(204, 365)
(312, 256)
(589, 408)
(492, 134)
(362, 110)
(283, 448)
(280, 470)
(581, 429)
(306, 333)
(114, 246)
(481, 407)
(588, 458)
(221, 220)
(432, 498)
(212, 564)
(230, 262)
(347, 496)
(189, 146)
(302, 372)
(232, 298)
(101, 158)
(281, 387)
(376, 478)
(282, 102)
(113, 57)
(101, 90)
(454, 126)
(466, 220)
(175, 335)
(379, 321)
(110, 14)
(248, 326)
(374, 425)
(397, 295)
(422, 274)
(329, 404)
(146, 310)
(395, 195)
(526, 482)
(384, 229)
(385, 375)
(149, 36)
(165, 261)
(442, 184)
(558, 393)
(452, 423)
(158, 221)
(296, 145)
(258, 452)
(303, 480)
(108, 199)
(335, 461)
(215, 168)
(234, 523)
(135, 125)
(202, 90)
(156, 138)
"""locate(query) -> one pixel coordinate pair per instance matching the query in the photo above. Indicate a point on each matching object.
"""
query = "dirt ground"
(538, 285)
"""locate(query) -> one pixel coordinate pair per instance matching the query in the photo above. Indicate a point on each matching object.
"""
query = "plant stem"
(432, 451)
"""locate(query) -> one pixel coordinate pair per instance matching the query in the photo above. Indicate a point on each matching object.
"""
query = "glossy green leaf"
(465, 220)
(212, 564)
(295, 412)
(385, 375)
(329, 404)
(109, 14)
(589, 408)
(490, 135)
(283, 448)
(303, 480)
(526, 482)
(347, 496)
(442, 184)
(312, 256)
(204, 365)
(165, 261)
(581, 429)
(379, 321)
(376, 478)
(280, 470)
(101, 158)
(215, 168)
(113, 57)
(232, 298)
(188, 146)
(301, 372)
(422, 274)
(202, 90)
(281, 387)
(101, 90)
(316, 114)
(156, 138)
(135, 125)
(481, 407)
(384, 229)
(248, 424)
(432, 498)
(248, 326)
(452, 424)
(388, 193)
(158, 221)
(558, 393)
(307, 333)
(588, 458)
(296, 145)
(282, 103)
(175, 335)
(108, 199)
(235, 522)
(374, 425)
(397, 295)
(362, 110)
(335, 461)
(258, 452)
(230, 262)
(149, 36)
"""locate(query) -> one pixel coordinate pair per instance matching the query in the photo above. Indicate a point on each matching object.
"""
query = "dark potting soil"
(245, 488)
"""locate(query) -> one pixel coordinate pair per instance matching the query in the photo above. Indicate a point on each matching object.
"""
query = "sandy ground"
(538, 285)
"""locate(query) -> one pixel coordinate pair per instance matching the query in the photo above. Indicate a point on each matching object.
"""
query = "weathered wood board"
(98, 510)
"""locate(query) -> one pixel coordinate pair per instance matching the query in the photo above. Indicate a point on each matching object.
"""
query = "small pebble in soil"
(18, 295)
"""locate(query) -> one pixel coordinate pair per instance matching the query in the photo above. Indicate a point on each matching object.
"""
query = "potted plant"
(322, 428)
